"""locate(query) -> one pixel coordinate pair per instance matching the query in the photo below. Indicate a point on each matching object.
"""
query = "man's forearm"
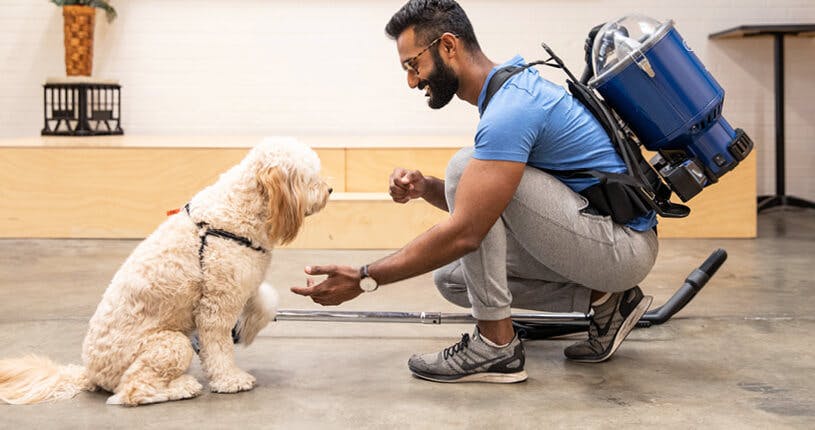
(434, 194)
(442, 244)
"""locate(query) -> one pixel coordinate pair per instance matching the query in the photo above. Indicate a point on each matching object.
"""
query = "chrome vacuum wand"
(533, 325)
(422, 317)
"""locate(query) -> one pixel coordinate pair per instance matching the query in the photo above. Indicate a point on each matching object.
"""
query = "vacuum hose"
(693, 284)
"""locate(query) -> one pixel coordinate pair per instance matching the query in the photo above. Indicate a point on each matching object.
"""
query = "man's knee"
(456, 165)
(455, 168)
(450, 286)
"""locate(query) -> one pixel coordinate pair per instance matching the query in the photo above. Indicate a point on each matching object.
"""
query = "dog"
(200, 271)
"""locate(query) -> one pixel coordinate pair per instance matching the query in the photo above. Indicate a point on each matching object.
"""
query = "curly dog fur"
(138, 345)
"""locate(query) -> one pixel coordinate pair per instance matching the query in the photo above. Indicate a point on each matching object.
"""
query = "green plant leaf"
(110, 11)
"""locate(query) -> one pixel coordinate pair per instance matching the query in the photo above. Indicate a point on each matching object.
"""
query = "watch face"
(368, 284)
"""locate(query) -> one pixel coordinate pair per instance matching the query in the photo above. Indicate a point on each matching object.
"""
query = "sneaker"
(610, 324)
(472, 360)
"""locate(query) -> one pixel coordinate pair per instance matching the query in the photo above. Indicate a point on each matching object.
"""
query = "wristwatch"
(366, 282)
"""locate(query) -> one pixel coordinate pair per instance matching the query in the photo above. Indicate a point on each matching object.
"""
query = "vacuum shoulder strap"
(497, 81)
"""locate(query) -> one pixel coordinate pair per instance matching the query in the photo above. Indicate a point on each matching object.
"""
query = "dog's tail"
(258, 311)
(35, 379)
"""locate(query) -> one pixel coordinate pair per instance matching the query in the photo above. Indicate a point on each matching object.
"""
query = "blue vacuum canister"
(658, 87)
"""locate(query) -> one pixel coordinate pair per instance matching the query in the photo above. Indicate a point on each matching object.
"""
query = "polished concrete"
(739, 356)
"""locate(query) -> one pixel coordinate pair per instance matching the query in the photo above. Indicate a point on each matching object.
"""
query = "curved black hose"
(692, 285)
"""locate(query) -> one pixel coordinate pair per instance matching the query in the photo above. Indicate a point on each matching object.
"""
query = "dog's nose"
(330, 190)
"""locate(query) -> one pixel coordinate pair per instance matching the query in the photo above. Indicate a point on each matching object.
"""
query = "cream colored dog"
(200, 270)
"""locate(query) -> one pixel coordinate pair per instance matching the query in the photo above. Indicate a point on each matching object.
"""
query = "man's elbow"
(467, 243)
(464, 237)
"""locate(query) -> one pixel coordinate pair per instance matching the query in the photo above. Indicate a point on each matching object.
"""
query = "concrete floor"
(739, 356)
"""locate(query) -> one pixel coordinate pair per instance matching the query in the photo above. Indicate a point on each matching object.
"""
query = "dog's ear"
(282, 189)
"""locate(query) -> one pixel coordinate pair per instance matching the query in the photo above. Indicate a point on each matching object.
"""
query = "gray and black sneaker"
(472, 360)
(610, 324)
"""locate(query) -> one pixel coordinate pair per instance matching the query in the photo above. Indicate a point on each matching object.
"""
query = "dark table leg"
(780, 198)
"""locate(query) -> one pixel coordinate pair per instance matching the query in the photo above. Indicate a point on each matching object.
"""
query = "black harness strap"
(616, 195)
(209, 231)
(498, 78)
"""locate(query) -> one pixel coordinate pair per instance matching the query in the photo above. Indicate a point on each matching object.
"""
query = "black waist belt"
(206, 231)
(615, 195)
(617, 200)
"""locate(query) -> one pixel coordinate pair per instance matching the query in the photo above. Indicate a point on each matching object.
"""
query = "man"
(516, 236)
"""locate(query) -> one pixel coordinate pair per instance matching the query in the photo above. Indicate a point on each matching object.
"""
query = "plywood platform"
(122, 186)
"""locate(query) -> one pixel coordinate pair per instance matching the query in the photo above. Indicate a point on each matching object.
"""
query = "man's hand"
(341, 285)
(406, 185)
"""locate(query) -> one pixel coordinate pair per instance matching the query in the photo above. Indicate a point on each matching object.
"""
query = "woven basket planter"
(79, 23)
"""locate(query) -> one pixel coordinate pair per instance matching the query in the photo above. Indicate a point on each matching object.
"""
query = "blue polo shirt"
(533, 121)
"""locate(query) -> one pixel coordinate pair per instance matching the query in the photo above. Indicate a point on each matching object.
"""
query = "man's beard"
(443, 83)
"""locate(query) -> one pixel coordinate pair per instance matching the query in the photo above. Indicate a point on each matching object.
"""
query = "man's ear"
(449, 44)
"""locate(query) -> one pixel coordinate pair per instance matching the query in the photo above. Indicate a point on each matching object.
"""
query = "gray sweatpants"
(543, 253)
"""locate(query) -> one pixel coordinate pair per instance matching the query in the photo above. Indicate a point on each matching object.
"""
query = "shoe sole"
(622, 333)
(493, 378)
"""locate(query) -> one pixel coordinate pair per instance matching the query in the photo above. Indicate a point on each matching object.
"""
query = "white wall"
(325, 67)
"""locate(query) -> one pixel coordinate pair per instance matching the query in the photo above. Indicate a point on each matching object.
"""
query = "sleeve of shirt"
(509, 128)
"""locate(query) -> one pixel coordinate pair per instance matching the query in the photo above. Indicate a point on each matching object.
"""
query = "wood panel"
(372, 221)
(78, 188)
(110, 192)
(368, 169)
(725, 209)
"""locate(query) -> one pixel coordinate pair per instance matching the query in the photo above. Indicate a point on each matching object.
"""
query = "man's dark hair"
(431, 19)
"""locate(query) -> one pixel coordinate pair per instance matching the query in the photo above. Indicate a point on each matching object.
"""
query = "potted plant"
(78, 16)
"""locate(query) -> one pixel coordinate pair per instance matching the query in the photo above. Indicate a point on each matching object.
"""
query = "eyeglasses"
(410, 64)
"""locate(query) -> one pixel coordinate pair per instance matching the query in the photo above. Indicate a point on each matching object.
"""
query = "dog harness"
(204, 231)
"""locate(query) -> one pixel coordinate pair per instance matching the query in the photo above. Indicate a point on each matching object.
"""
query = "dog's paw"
(120, 400)
(185, 387)
(233, 382)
